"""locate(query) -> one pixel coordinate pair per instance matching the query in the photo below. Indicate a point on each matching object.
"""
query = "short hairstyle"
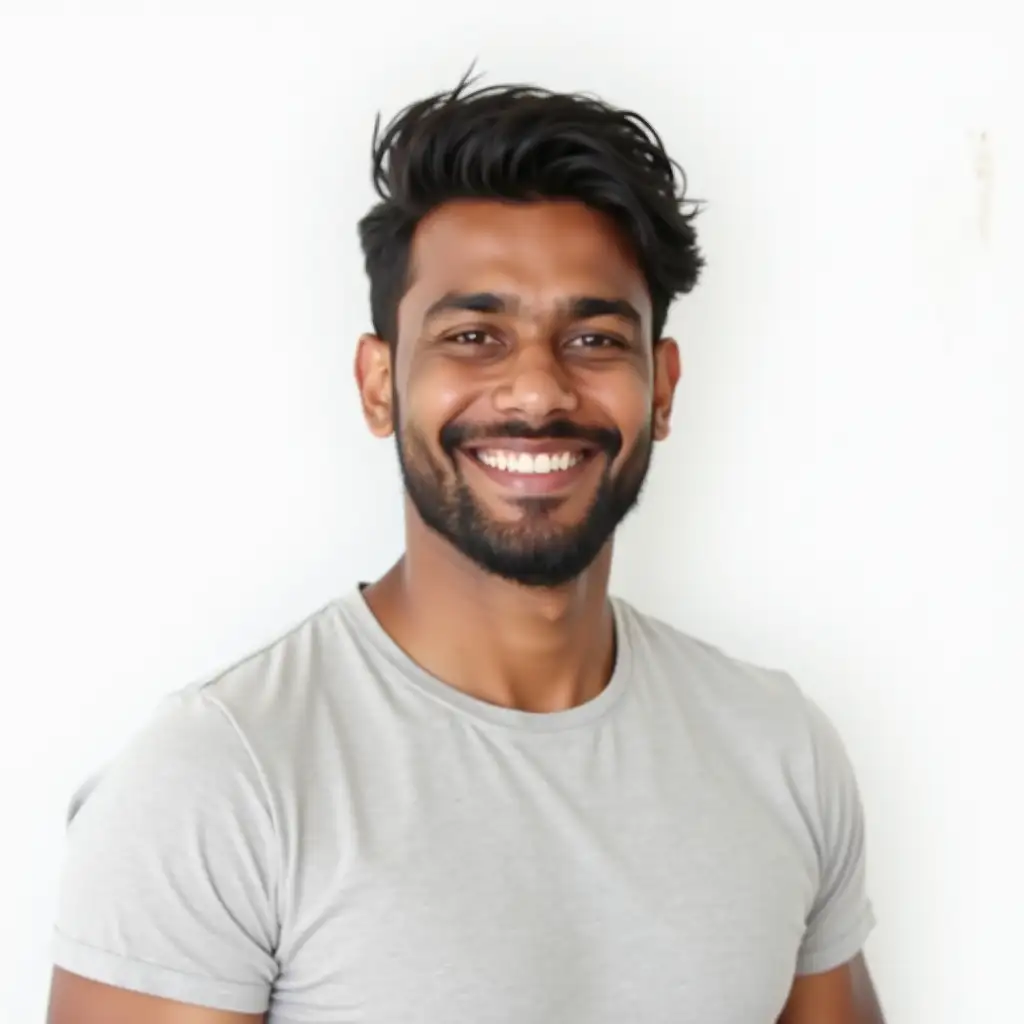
(524, 143)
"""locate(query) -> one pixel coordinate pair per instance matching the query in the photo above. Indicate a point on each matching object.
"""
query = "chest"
(548, 889)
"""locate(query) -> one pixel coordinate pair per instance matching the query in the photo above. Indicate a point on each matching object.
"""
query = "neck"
(530, 648)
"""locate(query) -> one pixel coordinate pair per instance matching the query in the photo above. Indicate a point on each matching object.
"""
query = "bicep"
(77, 1000)
(844, 995)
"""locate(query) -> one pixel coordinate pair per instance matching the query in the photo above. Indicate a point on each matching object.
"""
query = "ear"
(373, 377)
(667, 371)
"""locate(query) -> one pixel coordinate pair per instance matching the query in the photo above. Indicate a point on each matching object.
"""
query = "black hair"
(523, 143)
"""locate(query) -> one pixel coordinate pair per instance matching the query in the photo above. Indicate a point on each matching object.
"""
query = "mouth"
(532, 468)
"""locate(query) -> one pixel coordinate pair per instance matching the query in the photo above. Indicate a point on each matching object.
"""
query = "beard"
(535, 550)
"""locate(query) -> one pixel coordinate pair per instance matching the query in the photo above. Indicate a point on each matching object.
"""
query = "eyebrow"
(580, 307)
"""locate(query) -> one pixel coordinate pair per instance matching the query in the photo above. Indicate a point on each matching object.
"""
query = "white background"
(186, 475)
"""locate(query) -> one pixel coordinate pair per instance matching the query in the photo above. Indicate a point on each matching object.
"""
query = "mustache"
(454, 435)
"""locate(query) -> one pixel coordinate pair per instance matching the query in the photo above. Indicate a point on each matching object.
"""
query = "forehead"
(540, 251)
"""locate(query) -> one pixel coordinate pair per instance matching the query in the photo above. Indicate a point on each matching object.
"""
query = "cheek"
(625, 402)
(433, 397)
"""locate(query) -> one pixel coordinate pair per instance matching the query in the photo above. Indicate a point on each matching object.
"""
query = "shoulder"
(225, 734)
(760, 706)
(704, 668)
(188, 753)
(257, 688)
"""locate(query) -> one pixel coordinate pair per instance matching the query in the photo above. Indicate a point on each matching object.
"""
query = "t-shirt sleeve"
(842, 916)
(168, 882)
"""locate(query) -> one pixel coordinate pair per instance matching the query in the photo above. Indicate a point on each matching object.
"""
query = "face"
(524, 391)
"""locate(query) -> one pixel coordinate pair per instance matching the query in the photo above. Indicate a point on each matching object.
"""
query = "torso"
(645, 856)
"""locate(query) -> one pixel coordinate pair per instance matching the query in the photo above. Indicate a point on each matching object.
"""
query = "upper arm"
(168, 886)
(76, 1000)
(832, 984)
(843, 995)
(841, 917)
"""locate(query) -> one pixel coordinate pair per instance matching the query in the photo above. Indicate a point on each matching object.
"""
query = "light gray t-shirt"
(326, 830)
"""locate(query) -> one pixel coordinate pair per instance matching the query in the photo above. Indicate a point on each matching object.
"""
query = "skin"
(75, 1000)
(533, 360)
(542, 256)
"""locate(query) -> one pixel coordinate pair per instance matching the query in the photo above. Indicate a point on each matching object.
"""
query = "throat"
(499, 644)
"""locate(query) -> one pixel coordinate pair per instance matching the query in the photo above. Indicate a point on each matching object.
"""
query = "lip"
(533, 484)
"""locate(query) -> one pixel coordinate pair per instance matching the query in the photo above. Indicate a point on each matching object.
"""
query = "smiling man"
(480, 789)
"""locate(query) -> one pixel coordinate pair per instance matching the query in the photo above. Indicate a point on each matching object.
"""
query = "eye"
(470, 337)
(594, 340)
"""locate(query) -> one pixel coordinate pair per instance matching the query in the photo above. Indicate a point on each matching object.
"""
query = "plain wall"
(186, 473)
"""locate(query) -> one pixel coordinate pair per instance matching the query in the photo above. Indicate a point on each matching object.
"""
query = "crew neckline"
(354, 606)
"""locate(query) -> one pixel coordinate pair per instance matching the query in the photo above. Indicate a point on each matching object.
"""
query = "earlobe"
(662, 425)
(373, 378)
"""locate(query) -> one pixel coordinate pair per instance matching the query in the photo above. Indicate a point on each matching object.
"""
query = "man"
(479, 789)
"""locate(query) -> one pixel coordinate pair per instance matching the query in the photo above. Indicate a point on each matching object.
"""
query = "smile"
(528, 464)
(523, 468)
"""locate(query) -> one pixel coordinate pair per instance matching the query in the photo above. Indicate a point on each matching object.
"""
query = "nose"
(536, 387)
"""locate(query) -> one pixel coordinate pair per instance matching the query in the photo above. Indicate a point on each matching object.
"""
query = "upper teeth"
(522, 462)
